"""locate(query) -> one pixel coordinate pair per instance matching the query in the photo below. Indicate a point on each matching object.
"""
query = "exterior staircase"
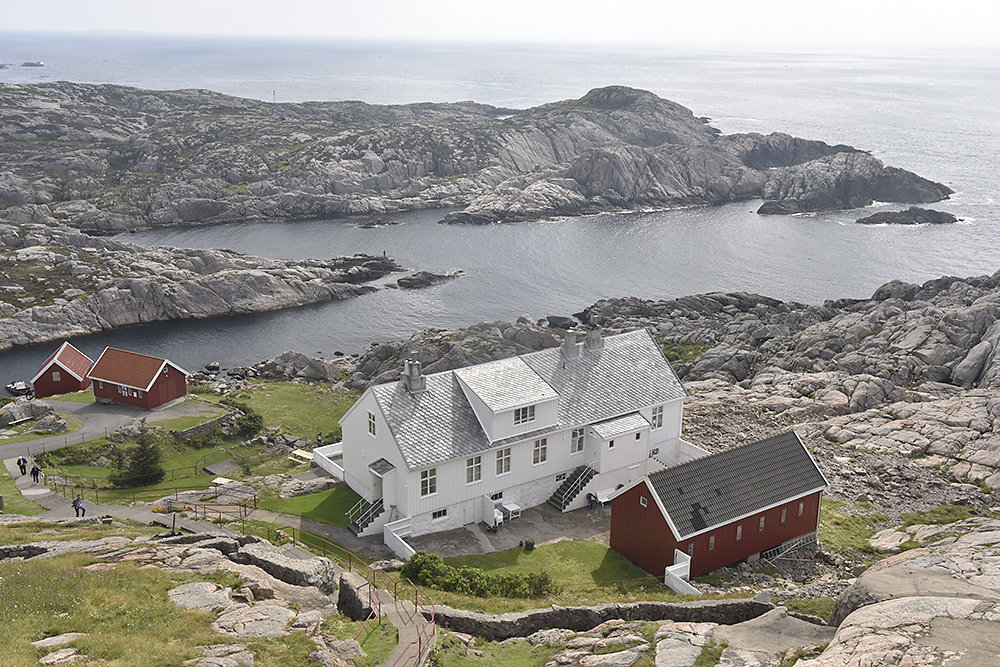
(365, 514)
(571, 487)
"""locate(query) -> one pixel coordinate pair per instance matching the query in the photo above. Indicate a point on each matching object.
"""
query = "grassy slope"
(326, 506)
(13, 501)
(301, 410)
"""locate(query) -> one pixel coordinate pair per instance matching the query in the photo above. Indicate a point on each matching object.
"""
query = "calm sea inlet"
(933, 114)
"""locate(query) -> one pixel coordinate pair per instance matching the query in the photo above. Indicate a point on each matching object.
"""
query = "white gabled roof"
(506, 384)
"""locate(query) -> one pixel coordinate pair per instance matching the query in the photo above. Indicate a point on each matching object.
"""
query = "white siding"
(546, 414)
(627, 450)
(361, 448)
(671, 429)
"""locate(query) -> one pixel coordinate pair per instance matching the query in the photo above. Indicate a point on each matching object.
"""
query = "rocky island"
(106, 158)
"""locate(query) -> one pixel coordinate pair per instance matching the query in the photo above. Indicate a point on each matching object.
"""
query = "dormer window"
(524, 415)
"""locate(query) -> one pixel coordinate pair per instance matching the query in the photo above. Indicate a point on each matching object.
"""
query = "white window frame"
(638, 435)
(611, 444)
(784, 514)
(802, 507)
(473, 469)
(371, 423)
(576, 440)
(761, 528)
(643, 501)
(56, 376)
(657, 420)
(739, 533)
(428, 482)
(497, 496)
(524, 415)
(691, 550)
(711, 542)
(503, 461)
(540, 452)
(439, 514)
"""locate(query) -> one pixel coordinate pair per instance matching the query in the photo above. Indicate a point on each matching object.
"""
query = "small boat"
(19, 388)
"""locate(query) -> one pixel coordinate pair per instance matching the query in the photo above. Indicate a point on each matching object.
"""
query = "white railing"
(369, 515)
(359, 508)
(581, 481)
(676, 452)
(675, 576)
(323, 457)
(393, 534)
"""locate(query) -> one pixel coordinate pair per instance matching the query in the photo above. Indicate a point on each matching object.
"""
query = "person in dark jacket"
(22, 463)
(78, 506)
(35, 472)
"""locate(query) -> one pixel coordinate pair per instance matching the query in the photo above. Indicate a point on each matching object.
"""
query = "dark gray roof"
(380, 467)
(628, 372)
(506, 384)
(612, 427)
(716, 489)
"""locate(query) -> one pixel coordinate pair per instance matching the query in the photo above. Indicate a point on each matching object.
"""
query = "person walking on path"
(78, 506)
(22, 464)
(35, 472)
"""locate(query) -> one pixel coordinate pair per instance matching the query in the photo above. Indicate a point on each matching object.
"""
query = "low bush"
(430, 570)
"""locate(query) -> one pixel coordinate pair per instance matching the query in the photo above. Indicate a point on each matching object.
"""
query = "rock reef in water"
(56, 282)
(911, 216)
(106, 158)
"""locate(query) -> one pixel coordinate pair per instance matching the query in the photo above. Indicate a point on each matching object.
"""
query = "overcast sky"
(759, 23)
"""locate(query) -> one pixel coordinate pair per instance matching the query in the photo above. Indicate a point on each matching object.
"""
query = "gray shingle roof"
(380, 467)
(716, 489)
(627, 373)
(506, 384)
(613, 427)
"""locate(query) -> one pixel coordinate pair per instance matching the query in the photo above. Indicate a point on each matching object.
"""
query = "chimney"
(594, 339)
(412, 379)
(570, 349)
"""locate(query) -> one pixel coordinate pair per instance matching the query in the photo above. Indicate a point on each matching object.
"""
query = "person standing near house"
(78, 506)
(35, 472)
(22, 464)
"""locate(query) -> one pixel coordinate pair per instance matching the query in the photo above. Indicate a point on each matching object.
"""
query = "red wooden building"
(64, 371)
(136, 379)
(721, 508)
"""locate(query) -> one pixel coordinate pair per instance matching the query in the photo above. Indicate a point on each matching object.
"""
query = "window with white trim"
(638, 436)
(497, 496)
(611, 444)
(439, 514)
(503, 461)
(711, 542)
(657, 420)
(739, 532)
(802, 507)
(691, 549)
(428, 482)
(371, 423)
(473, 469)
(56, 376)
(784, 514)
(761, 529)
(524, 415)
(539, 452)
(576, 441)
(643, 501)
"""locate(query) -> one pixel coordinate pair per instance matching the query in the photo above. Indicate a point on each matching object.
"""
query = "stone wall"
(198, 429)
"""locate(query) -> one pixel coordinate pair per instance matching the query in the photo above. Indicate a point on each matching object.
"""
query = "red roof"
(131, 369)
(72, 360)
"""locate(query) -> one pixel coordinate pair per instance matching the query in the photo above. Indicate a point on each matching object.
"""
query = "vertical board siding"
(165, 388)
(646, 540)
(46, 386)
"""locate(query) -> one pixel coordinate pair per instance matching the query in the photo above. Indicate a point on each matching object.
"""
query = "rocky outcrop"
(62, 283)
(106, 158)
(23, 409)
(933, 605)
(422, 279)
(911, 216)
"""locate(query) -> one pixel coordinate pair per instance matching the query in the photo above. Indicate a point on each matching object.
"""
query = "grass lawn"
(85, 396)
(72, 424)
(13, 501)
(326, 506)
(299, 409)
(28, 531)
(844, 532)
(123, 609)
(450, 652)
(378, 639)
(587, 573)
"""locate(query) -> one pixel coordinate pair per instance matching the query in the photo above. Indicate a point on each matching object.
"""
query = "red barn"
(136, 379)
(721, 508)
(64, 371)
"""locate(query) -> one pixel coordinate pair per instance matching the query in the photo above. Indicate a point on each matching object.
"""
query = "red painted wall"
(642, 535)
(45, 386)
(166, 388)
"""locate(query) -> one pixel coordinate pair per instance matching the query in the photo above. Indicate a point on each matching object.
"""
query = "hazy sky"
(761, 23)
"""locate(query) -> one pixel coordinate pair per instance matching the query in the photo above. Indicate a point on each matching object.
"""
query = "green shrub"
(140, 466)
(529, 544)
(430, 570)
(249, 424)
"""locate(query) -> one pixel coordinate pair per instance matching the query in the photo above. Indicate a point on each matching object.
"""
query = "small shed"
(721, 508)
(63, 372)
(136, 379)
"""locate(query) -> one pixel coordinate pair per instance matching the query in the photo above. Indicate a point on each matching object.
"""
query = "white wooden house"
(434, 452)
